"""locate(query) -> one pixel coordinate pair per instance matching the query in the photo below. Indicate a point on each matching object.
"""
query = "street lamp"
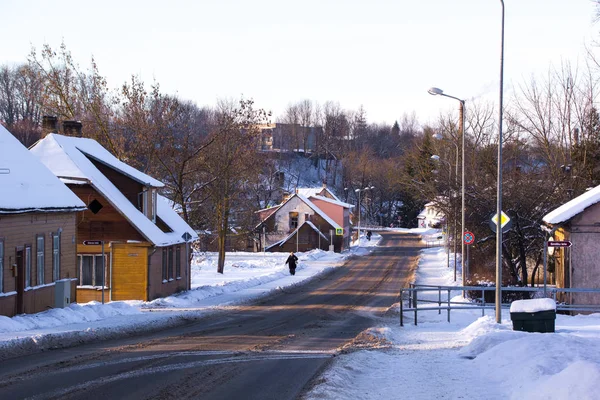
(499, 183)
(359, 210)
(435, 92)
(438, 159)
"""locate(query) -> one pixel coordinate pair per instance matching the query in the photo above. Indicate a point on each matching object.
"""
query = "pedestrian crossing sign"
(339, 231)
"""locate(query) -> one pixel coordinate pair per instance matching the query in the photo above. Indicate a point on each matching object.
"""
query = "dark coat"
(292, 261)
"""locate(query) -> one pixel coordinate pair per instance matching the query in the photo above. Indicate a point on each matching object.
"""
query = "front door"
(20, 280)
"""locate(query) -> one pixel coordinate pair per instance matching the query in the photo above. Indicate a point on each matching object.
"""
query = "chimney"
(72, 128)
(49, 125)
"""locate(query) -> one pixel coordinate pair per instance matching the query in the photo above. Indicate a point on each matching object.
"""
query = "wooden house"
(308, 219)
(37, 233)
(576, 266)
(144, 239)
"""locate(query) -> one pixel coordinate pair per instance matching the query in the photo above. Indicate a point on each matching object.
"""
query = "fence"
(445, 303)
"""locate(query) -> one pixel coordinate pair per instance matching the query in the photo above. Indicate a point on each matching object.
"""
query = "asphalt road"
(271, 349)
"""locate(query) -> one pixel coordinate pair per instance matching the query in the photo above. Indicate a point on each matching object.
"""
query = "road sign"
(186, 236)
(505, 222)
(92, 242)
(468, 238)
(559, 243)
(504, 219)
(339, 231)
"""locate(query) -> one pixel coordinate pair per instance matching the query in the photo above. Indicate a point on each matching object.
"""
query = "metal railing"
(444, 303)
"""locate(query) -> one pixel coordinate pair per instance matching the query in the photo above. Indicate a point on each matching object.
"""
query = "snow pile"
(470, 357)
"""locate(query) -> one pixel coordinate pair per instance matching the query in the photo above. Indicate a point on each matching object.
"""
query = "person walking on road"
(291, 260)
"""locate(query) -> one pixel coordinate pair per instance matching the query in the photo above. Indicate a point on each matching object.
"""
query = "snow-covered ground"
(470, 357)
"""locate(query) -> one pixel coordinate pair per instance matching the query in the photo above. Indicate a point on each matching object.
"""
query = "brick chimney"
(72, 128)
(49, 125)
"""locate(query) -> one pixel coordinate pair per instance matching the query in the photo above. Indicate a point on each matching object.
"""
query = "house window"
(56, 256)
(28, 266)
(171, 263)
(1, 265)
(178, 262)
(39, 251)
(293, 220)
(91, 270)
(154, 205)
(306, 217)
(164, 265)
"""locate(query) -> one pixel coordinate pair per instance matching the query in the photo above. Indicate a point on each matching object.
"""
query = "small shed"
(577, 221)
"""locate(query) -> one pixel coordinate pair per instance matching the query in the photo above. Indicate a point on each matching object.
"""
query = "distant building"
(309, 219)
(431, 216)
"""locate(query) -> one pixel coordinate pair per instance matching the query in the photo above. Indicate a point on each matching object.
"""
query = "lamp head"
(435, 157)
(435, 91)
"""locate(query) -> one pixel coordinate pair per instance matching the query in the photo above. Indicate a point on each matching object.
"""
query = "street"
(271, 349)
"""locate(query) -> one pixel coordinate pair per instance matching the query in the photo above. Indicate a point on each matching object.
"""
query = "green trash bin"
(536, 315)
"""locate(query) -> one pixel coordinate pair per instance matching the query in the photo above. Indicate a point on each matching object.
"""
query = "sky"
(471, 356)
(381, 54)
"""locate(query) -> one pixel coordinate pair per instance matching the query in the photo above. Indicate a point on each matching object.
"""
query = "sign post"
(101, 243)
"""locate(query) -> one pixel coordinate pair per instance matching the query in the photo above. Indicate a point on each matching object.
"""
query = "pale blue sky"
(383, 54)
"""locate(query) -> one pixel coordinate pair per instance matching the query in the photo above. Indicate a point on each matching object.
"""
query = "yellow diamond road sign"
(503, 219)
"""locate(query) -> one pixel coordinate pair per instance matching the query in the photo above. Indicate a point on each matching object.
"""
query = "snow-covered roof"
(26, 185)
(67, 157)
(282, 241)
(309, 203)
(318, 211)
(332, 201)
(308, 192)
(573, 207)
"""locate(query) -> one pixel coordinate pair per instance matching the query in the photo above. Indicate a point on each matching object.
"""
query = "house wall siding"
(156, 287)
(581, 259)
(108, 224)
(21, 229)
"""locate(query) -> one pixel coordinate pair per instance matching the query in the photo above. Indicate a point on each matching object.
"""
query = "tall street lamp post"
(435, 92)
(499, 188)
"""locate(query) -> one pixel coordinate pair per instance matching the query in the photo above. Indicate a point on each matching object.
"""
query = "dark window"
(91, 270)
(171, 263)
(39, 251)
(178, 261)
(293, 220)
(95, 206)
(1, 265)
(56, 256)
(164, 264)
(98, 271)
(87, 271)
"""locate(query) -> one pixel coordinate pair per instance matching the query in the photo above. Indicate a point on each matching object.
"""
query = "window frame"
(40, 256)
(164, 265)
(27, 263)
(1, 265)
(178, 262)
(170, 269)
(294, 216)
(93, 274)
(56, 256)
